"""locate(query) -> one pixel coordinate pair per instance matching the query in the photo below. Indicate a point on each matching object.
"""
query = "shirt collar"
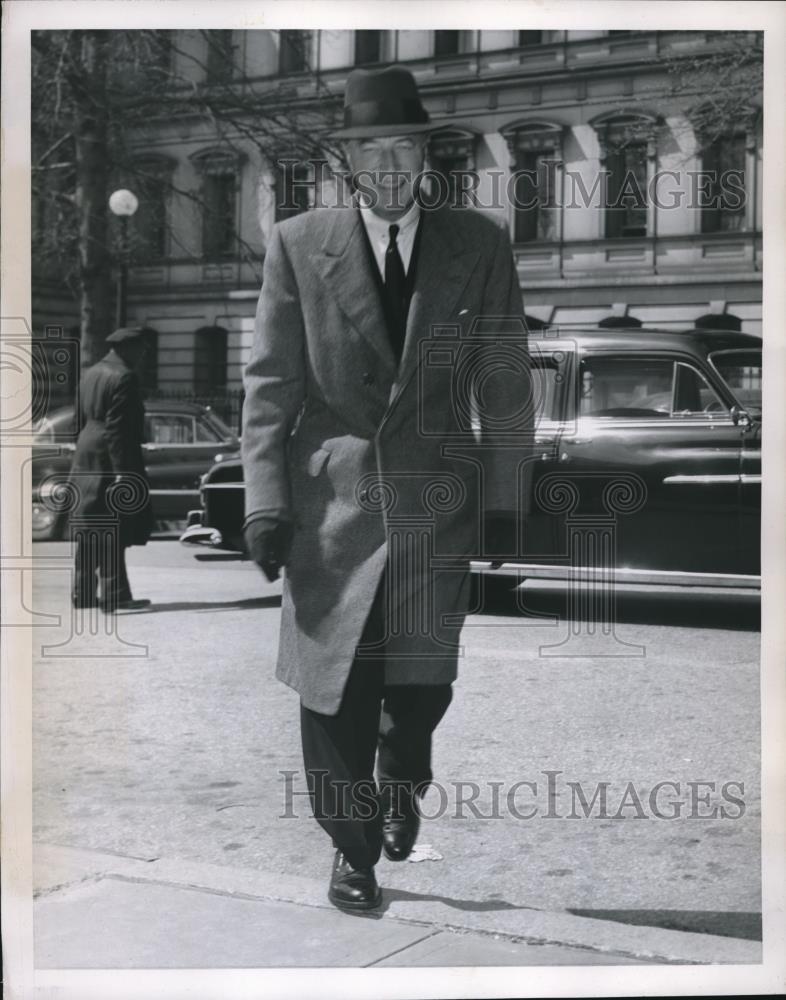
(379, 227)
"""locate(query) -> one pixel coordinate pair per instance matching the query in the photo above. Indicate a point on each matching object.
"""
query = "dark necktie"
(395, 293)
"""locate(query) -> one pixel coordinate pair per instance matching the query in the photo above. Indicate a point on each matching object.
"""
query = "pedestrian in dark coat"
(362, 468)
(108, 475)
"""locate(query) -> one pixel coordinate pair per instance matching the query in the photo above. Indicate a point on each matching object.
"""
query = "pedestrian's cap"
(381, 102)
(125, 333)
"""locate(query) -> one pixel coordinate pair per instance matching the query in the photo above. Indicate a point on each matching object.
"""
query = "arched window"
(297, 184)
(210, 359)
(220, 56)
(220, 172)
(294, 51)
(152, 183)
(368, 46)
(627, 152)
(452, 155)
(536, 152)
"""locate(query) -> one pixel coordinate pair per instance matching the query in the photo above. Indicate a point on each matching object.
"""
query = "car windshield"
(741, 370)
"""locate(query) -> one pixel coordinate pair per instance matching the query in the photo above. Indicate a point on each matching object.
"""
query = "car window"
(645, 387)
(625, 387)
(693, 395)
(170, 428)
(741, 371)
(206, 432)
(547, 383)
(225, 433)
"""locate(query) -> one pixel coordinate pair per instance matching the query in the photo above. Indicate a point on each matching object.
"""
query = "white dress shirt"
(378, 230)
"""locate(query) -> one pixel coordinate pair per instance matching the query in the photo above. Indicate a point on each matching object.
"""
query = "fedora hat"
(125, 334)
(382, 102)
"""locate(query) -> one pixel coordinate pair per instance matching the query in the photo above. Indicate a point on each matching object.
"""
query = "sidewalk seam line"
(397, 951)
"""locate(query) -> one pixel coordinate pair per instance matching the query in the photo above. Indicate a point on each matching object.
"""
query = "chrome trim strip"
(702, 480)
(621, 575)
(224, 486)
(174, 493)
(214, 445)
(749, 478)
(661, 422)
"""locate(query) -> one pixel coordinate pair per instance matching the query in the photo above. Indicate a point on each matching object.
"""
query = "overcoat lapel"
(345, 264)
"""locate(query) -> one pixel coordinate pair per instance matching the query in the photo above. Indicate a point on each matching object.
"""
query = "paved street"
(176, 745)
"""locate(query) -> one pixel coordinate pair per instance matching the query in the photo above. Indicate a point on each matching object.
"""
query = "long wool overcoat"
(379, 464)
(112, 421)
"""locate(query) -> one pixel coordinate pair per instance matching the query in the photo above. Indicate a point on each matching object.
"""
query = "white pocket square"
(463, 312)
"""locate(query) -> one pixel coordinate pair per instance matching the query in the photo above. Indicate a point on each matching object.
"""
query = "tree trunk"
(92, 181)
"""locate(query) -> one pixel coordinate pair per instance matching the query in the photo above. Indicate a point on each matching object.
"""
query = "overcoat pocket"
(317, 461)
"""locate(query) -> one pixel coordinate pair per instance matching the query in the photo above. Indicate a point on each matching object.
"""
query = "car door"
(656, 449)
(741, 370)
(180, 448)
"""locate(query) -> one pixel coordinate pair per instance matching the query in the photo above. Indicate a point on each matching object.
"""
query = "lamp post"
(123, 204)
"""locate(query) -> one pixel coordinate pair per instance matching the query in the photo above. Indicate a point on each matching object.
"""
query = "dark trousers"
(99, 560)
(391, 722)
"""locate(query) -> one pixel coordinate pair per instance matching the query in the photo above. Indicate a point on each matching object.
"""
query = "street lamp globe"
(123, 202)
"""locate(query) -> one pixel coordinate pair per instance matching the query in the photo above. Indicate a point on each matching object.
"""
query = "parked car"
(647, 455)
(183, 440)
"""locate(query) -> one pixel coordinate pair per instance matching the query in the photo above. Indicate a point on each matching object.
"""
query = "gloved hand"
(268, 541)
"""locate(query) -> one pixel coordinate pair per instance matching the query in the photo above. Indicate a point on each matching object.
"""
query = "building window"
(452, 156)
(536, 156)
(218, 215)
(294, 51)
(160, 56)
(151, 180)
(627, 154)
(210, 359)
(368, 47)
(150, 222)
(220, 172)
(447, 43)
(220, 56)
(296, 184)
(530, 38)
(149, 371)
(722, 191)
(535, 202)
(626, 211)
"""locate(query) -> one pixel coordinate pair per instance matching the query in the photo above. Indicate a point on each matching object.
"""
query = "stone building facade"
(527, 113)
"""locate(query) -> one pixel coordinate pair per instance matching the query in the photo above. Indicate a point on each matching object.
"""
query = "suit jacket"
(379, 464)
(112, 422)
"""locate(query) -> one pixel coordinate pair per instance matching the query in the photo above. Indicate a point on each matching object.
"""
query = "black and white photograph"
(393, 588)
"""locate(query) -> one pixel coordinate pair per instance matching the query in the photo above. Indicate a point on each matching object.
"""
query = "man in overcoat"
(363, 473)
(108, 474)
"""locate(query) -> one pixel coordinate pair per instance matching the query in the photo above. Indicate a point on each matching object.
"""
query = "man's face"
(387, 167)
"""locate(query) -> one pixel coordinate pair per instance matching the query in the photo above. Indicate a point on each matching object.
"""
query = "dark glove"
(268, 541)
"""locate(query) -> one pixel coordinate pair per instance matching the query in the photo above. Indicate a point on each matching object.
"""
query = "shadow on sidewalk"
(467, 905)
(274, 601)
(722, 923)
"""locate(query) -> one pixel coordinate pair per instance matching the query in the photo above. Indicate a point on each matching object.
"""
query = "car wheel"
(48, 525)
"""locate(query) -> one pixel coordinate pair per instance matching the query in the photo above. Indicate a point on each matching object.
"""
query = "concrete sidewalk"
(96, 910)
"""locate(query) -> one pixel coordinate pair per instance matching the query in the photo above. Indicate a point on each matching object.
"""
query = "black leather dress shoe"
(353, 888)
(400, 822)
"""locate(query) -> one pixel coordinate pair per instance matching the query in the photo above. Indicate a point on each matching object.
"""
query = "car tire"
(48, 525)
